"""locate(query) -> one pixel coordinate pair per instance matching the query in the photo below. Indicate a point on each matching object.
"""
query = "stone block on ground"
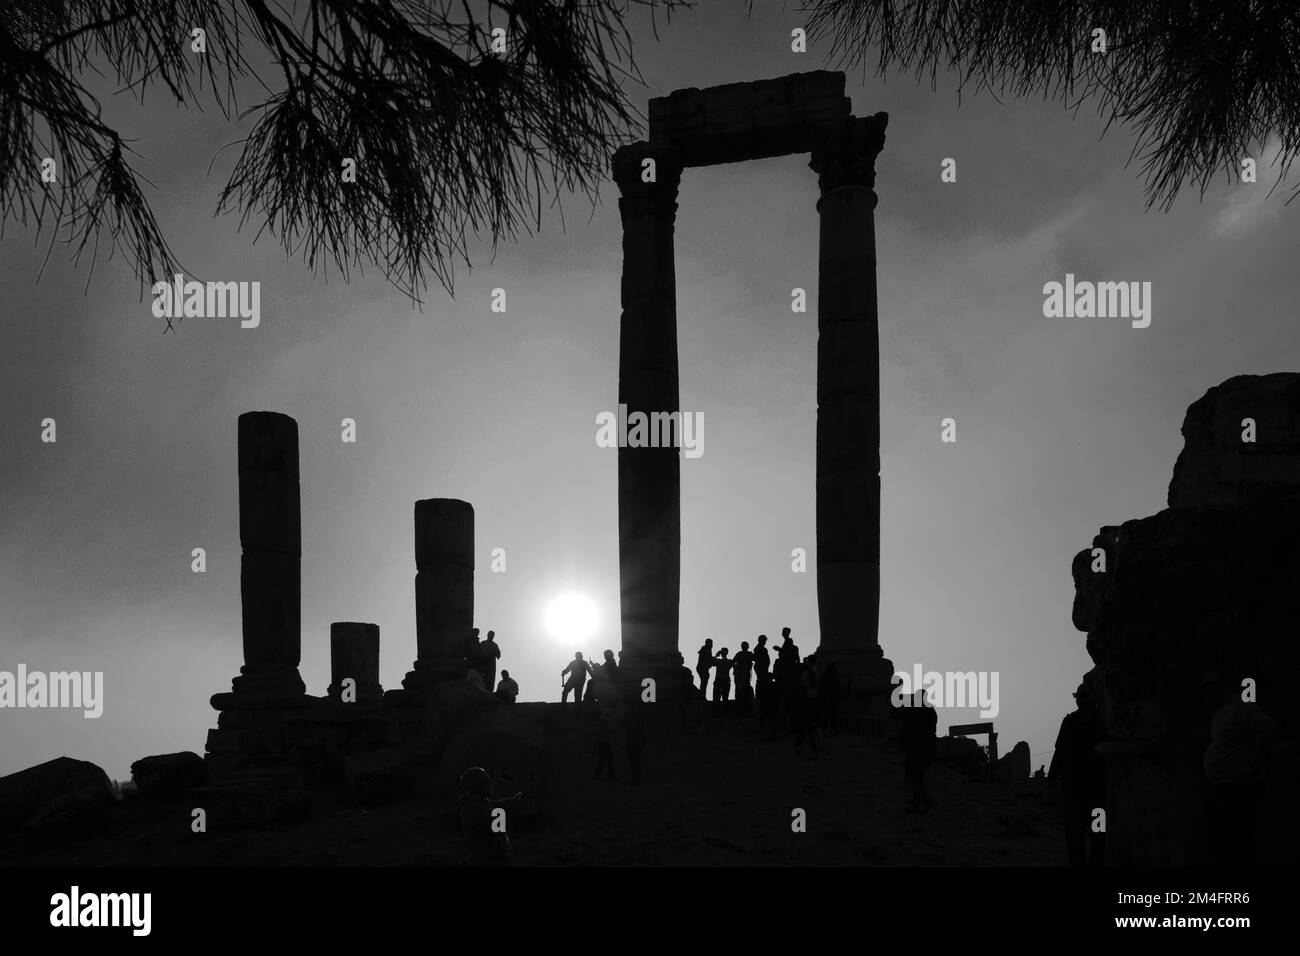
(167, 774)
(24, 793)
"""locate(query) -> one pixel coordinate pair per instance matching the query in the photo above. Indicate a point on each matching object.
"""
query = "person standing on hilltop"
(507, 690)
(578, 671)
(802, 703)
(831, 693)
(742, 664)
(471, 649)
(762, 659)
(488, 654)
(606, 718)
(788, 652)
(721, 681)
(787, 673)
(610, 666)
(1083, 777)
(919, 741)
(767, 706)
(703, 661)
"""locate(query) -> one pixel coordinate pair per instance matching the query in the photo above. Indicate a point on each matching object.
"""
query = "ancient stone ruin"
(804, 112)
(274, 740)
(270, 728)
(1212, 583)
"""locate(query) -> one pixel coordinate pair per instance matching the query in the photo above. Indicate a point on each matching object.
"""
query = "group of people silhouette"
(802, 696)
(798, 693)
(482, 657)
(580, 673)
(613, 711)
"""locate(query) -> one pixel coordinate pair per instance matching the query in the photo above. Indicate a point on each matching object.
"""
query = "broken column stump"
(444, 592)
(354, 655)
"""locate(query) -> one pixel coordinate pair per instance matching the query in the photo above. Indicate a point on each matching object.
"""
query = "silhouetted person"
(768, 705)
(788, 651)
(721, 681)
(1234, 765)
(742, 667)
(507, 689)
(489, 652)
(471, 648)
(703, 661)
(762, 659)
(831, 692)
(811, 681)
(578, 671)
(919, 743)
(610, 667)
(634, 734)
(484, 845)
(802, 705)
(1083, 778)
(608, 717)
(685, 695)
(787, 674)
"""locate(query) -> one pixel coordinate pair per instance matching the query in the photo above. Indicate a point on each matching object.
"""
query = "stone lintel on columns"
(754, 120)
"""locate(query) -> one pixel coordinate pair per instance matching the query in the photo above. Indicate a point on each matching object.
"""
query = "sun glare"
(571, 618)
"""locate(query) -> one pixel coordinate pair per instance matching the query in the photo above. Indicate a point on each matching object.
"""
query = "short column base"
(863, 672)
(665, 667)
(424, 676)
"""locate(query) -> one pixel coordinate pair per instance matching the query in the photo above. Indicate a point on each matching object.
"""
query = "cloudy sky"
(1063, 425)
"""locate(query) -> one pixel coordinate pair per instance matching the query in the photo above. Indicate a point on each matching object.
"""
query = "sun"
(571, 618)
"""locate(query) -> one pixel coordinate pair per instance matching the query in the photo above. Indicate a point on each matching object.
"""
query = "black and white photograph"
(758, 439)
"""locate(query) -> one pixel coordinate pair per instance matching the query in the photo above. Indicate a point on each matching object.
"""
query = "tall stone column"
(848, 405)
(268, 689)
(270, 577)
(354, 654)
(649, 479)
(444, 591)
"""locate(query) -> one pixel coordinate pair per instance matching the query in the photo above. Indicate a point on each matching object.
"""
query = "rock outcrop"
(167, 774)
(1242, 445)
(1013, 766)
(1210, 584)
(59, 800)
(1213, 581)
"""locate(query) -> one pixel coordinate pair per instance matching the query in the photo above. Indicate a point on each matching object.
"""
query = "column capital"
(845, 154)
(640, 195)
